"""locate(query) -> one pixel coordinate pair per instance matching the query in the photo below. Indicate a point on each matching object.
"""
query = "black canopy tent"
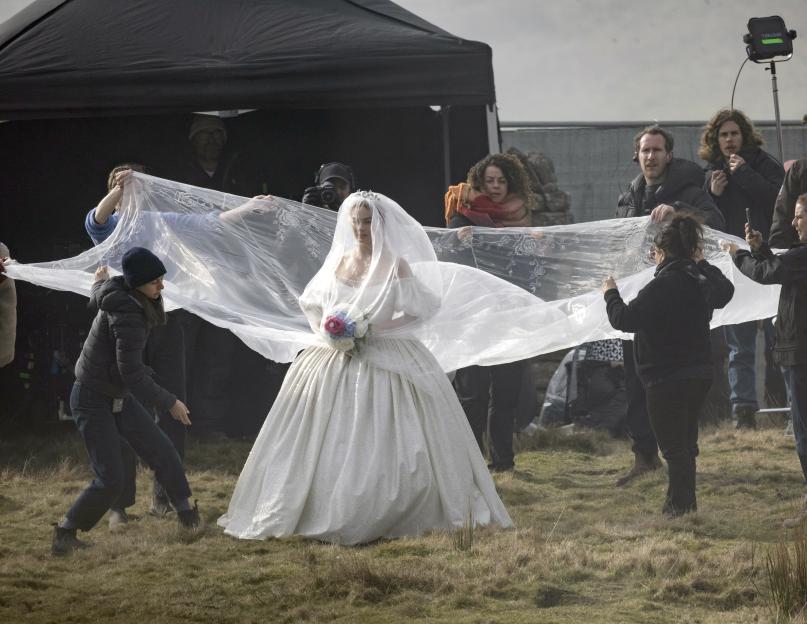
(93, 57)
(409, 105)
(87, 84)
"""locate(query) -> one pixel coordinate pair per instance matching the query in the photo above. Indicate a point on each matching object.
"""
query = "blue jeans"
(742, 343)
(102, 432)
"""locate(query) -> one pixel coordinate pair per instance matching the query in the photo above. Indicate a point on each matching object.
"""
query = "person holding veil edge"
(366, 439)
(670, 320)
(496, 195)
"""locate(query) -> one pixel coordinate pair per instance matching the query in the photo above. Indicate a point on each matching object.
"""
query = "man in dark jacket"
(790, 351)
(739, 177)
(665, 186)
(782, 234)
(110, 374)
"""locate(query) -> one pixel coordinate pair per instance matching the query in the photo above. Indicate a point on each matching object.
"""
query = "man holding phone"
(743, 180)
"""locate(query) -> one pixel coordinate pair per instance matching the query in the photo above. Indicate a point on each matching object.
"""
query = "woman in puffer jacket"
(670, 319)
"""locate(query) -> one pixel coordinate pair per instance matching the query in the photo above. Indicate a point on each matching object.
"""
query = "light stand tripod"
(775, 88)
(767, 38)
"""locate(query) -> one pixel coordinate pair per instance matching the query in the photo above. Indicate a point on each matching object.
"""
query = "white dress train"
(362, 446)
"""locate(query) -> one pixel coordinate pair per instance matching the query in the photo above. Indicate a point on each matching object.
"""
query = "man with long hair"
(740, 176)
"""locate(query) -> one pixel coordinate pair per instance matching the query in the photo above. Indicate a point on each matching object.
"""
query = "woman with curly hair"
(740, 176)
(497, 194)
(670, 321)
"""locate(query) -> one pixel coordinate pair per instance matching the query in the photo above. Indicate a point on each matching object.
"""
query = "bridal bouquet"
(342, 332)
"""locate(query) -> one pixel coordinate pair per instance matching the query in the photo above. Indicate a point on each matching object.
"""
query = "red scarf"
(485, 212)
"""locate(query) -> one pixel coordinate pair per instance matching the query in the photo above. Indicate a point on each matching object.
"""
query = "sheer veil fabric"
(244, 264)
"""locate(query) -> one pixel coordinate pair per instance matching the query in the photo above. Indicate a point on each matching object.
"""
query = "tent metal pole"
(494, 136)
(446, 122)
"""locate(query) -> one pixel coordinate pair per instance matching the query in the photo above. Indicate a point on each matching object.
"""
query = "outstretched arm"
(257, 205)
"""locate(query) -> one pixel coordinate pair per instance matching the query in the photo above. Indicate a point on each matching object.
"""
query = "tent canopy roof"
(95, 57)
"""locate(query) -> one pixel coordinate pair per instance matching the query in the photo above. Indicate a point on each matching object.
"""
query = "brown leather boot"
(642, 464)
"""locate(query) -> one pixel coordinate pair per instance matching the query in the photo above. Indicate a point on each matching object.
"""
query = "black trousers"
(637, 422)
(209, 354)
(102, 432)
(489, 395)
(797, 380)
(673, 407)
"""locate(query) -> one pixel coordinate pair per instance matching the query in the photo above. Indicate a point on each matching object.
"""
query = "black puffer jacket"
(670, 319)
(111, 361)
(782, 233)
(682, 189)
(753, 185)
(790, 270)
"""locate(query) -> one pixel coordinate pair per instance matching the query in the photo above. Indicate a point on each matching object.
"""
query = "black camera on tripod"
(333, 181)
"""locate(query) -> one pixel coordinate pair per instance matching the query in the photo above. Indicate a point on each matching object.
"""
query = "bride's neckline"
(358, 282)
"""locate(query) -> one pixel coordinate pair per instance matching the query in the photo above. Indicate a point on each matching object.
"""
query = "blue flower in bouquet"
(341, 330)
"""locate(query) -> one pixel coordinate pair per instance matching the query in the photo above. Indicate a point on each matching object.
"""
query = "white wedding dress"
(367, 445)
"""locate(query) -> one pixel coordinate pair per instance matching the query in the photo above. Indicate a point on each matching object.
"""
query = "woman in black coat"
(670, 319)
(112, 385)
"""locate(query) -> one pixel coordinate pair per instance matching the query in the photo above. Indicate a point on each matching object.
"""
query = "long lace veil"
(498, 295)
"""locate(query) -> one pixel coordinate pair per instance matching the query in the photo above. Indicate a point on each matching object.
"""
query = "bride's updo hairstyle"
(681, 238)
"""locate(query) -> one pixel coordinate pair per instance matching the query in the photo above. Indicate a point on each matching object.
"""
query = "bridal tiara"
(368, 194)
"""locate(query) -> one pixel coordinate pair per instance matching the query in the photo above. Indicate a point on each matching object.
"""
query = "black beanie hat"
(140, 266)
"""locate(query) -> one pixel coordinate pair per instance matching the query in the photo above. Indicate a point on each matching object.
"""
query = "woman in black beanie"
(111, 384)
(670, 318)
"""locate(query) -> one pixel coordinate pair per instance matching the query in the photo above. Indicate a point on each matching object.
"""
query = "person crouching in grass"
(670, 319)
(112, 385)
(790, 342)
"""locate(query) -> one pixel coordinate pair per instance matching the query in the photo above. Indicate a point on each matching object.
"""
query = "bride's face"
(362, 219)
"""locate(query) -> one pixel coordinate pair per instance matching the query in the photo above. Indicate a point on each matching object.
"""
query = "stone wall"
(553, 206)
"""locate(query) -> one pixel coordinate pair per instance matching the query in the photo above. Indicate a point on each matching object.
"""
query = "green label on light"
(772, 41)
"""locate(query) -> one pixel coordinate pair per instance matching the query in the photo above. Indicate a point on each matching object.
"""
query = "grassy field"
(583, 550)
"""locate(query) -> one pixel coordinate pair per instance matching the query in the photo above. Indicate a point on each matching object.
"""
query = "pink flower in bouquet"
(334, 325)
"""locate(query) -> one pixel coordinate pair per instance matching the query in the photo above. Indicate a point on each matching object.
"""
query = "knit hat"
(206, 122)
(140, 266)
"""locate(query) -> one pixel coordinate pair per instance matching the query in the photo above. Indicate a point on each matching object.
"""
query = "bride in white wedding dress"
(366, 439)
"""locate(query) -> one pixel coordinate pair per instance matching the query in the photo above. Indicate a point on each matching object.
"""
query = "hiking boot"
(745, 417)
(189, 518)
(506, 467)
(160, 506)
(642, 465)
(65, 541)
(118, 519)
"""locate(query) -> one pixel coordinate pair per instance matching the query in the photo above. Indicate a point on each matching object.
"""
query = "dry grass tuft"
(786, 567)
(463, 536)
(355, 577)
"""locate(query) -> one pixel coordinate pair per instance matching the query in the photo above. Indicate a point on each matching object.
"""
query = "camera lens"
(328, 193)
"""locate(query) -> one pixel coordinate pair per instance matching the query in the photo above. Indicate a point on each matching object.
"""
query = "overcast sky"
(620, 60)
